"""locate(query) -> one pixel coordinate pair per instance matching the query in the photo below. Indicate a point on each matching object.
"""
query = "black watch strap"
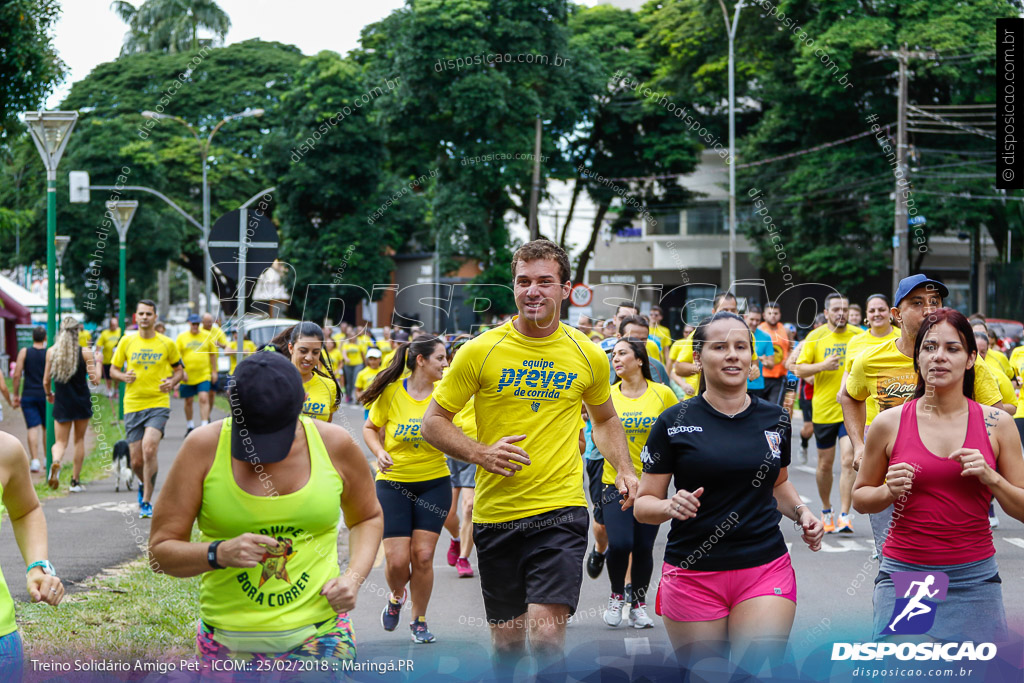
(211, 554)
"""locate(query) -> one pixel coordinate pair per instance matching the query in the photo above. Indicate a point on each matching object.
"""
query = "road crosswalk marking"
(1019, 542)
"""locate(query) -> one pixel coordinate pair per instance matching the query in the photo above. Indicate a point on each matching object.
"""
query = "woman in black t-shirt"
(727, 582)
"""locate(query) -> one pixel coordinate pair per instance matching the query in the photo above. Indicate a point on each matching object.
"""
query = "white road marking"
(805, 500)
(846, 545)
(1019, 542)
(637, 646)
(110, 506)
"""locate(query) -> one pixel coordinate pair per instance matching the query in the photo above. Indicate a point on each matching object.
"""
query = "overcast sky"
(89, 33)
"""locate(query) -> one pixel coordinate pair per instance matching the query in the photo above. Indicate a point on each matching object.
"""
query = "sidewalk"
(96, 528)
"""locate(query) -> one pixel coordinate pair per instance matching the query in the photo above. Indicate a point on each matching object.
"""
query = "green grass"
(97, 461)
(128, 612)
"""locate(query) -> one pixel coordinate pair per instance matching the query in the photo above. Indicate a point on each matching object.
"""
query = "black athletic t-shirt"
(737, 461)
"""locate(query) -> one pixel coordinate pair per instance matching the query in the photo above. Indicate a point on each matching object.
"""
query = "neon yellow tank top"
(283, 591)
(7, 623)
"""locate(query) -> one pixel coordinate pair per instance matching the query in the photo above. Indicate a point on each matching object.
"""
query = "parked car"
(260, 332)
(1009, 332)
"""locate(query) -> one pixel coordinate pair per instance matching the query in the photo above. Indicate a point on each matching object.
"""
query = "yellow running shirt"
(884, 378)
(196, 351)
(282, 591)
(1017, 363)
(321, 393)
(663, 335)
(820, 344)
(401, 416)
(998, 360)
(152, 360)
(107, 341)
(84, 338)
(247, 348)
(1005, 387)
(638, 415)
(337, 360)
(215, 334)
(682, 351)
(366, 376)
(465, 419)
(863, 341)
(534, 387)
(352, 352)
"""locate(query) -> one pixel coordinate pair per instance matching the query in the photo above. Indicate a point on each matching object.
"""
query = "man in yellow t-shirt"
(234, 357)
(106, 343)
(352, 352)
(1017, 363)
(1006, 395)
(883, 376)
(150, 365)
(529, 377)
(683, 371)
(660, 331)
(821, 357)
(199, 354)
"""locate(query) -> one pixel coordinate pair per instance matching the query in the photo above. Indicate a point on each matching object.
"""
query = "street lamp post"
(730, 29)
(50, 131)
(61, 245)
(121, 213)
(204, 152)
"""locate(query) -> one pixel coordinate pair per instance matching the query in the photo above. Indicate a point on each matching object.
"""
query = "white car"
(259, 332)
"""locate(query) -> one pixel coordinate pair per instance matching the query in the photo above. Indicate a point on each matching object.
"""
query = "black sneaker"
(595, 563)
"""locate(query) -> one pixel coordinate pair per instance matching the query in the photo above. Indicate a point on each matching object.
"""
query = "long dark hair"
(966, 332)
(404, 359)
(700, 335)
(639, 350)
(307, 328)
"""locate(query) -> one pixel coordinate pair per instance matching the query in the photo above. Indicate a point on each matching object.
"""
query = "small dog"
(122, 466)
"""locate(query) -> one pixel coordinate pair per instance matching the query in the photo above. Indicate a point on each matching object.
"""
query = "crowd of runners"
(495, 439)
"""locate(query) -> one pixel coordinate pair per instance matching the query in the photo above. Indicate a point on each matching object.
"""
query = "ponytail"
(404, 359)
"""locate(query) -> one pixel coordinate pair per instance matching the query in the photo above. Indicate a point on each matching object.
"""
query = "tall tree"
(29, 65)
(171, 25)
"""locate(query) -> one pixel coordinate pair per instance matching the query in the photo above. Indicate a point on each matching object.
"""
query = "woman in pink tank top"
(939, 459)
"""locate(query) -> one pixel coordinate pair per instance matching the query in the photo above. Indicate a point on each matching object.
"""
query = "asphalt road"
(100, 528)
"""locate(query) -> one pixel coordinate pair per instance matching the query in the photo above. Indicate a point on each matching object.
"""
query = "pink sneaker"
(454, 550)
(462, 565)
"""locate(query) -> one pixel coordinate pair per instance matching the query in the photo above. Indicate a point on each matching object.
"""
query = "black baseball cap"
(908, 284)
(266, 397)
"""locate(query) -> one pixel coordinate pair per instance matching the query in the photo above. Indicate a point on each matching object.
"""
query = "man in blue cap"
(883, 376)
(199, 354)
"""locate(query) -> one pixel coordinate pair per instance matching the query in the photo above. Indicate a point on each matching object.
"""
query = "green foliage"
(170, 25)
(29, 65)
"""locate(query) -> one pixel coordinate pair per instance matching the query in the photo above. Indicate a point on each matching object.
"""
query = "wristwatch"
(211, 555)
(45, 565)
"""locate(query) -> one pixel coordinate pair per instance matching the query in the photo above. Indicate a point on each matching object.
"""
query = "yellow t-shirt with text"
(247, 348)
(682, 351)
(401, 416)
(820, 344)
(465, 419)
(525, 385)
(84, 338)
(1006, 392)
(196, 351)
(352, 352)
(1017, 363)
(885, 378)
(321, 393)
(638, 416)
(366, 376)
(107, 341)
(152, 360)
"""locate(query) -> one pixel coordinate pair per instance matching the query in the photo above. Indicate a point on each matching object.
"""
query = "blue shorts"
(190, 390)
(34, 410)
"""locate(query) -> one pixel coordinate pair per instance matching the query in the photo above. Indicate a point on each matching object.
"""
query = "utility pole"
(900, 260)
(535, 190)
(730, 29)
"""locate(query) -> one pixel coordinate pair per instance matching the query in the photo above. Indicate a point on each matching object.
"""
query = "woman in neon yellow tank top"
(21, 503)
(265, 486)
(413, 483)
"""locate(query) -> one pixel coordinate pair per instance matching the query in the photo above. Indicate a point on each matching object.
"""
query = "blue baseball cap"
(908, 284)
(192, 319)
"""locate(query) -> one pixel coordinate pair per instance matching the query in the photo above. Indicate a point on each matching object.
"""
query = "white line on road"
(846, 545)
(1019, 542)
(805, 468)
(637, 646)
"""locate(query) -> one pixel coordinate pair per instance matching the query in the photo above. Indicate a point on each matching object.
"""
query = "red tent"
(12, 314)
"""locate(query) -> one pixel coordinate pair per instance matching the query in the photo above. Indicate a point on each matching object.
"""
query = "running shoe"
(595, 563)
(140, 494)
(462, 565)
(828, 521)
(638, 617)
(420, 632)
(145, 511)
(613, 615)
(627, 594)
(844, 526)
(392, 610)
(76, 486)
(803, 455)
(54, 480)
(189, 431)
(993, 521)
(35, 466)
(454, 550)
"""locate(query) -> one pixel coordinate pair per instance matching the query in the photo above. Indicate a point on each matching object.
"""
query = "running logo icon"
(774, 440)
(535, 406)
(914, 613)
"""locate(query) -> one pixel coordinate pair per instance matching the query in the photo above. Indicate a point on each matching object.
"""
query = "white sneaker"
(803, 455)
(993, 522)
(613, 615)
(35, 466)
(638, 617)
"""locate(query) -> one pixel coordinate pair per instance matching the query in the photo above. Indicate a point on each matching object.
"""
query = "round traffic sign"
(259, 232)
(581, 295)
